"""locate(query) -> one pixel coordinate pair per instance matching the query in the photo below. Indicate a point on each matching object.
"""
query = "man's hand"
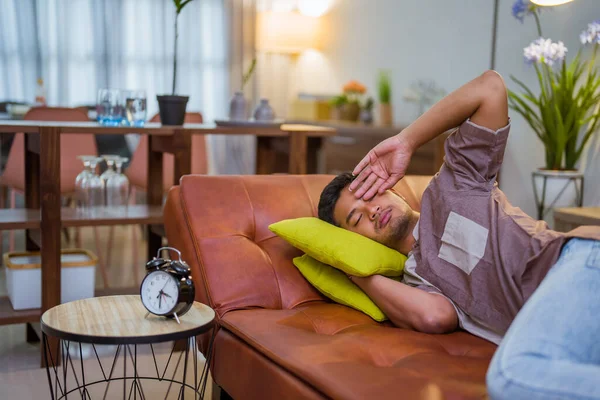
(483, 100)
(381, 168)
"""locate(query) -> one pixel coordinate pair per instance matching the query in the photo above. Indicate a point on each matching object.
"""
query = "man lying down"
(475, 261)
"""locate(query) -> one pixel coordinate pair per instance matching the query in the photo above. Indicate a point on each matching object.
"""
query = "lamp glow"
(550, 2)
(286, 32)
(313, 8)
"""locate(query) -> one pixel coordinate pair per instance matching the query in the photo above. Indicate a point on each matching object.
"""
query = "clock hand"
(165, 285)
(169, 296)
(159, 299)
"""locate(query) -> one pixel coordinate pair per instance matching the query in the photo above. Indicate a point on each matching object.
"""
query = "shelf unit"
(9, 316)
(21, 218)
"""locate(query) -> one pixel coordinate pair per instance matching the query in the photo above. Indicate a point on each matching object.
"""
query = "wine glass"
(117, 185)
(88, 185)
(110, 160)
(80, 181)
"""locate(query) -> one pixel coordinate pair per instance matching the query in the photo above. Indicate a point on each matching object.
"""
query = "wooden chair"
(71, 146)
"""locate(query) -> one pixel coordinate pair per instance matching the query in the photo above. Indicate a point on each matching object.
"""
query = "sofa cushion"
(347, 251)
(337, 286)
(345, 354)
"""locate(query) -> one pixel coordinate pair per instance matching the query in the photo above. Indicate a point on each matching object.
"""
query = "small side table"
(122, 321)
(566, 219)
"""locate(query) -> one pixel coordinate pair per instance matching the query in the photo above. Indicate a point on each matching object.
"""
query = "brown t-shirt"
(487, 256)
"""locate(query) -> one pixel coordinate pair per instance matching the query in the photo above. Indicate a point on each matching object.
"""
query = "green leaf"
(180, 5)
(522, 85)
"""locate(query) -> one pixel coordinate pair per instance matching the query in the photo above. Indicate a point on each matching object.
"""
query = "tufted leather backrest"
(220, 223)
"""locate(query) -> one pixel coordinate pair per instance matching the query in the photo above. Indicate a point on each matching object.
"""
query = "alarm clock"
(167, 289)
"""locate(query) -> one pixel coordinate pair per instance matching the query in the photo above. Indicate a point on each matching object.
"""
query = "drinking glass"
(109, 107)
(135, 107)
(117, 185)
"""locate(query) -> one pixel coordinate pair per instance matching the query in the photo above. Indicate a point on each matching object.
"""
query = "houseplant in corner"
(564, 115)
(172, 107)
(384, 88)
(347, 105)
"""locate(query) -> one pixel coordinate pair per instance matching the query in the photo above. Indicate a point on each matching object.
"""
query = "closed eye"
(358, 220)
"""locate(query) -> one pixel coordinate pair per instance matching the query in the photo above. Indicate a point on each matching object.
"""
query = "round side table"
(122, 321)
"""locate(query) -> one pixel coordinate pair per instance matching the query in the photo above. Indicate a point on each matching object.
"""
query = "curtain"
(236, 154)
(80, 46)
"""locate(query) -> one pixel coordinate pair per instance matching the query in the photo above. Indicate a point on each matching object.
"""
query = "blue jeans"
(552, 349)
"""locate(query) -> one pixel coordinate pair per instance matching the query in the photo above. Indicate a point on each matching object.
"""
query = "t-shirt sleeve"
(475, 153)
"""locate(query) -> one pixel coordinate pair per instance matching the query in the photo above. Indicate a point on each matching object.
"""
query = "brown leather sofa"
(278, 337)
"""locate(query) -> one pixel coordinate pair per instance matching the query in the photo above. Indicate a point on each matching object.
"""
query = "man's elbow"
(494, 85)
(438, 322)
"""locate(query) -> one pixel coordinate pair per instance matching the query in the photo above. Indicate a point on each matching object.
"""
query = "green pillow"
(337, 286)
(350, 252)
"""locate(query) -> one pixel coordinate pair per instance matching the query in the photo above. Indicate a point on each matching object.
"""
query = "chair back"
(137, 172)
(71, 146)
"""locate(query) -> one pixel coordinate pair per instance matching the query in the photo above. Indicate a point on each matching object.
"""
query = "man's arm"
(409, 307)
(483, 100)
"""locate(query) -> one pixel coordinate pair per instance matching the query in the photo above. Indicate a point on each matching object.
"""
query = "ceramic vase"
(264, 111)
(238, 107)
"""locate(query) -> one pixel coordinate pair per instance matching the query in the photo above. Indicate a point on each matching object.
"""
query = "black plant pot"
(172, 109)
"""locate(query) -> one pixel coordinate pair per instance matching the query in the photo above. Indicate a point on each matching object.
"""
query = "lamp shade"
(286, 32)
(550, 2)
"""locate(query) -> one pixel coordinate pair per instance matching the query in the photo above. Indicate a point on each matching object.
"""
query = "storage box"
(24, 277)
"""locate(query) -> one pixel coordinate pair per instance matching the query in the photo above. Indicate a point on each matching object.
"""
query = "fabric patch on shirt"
(463, 242)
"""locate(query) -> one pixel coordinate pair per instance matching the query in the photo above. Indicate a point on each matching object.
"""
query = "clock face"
(160, 292)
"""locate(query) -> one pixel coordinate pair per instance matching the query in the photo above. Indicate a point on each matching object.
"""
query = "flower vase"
(238, 107)
(264, 111)
(385, 115)
(350, 112)
(366, 116)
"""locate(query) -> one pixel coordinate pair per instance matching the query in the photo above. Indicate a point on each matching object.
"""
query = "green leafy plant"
(246, 77)
(566, 113)
(179, 5)
(368, 104)
(384, 87)
(338, 101)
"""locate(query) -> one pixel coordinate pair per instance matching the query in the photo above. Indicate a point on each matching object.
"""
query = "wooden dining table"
(43, 217)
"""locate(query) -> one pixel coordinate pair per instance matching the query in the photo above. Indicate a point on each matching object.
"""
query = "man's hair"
(331, 194)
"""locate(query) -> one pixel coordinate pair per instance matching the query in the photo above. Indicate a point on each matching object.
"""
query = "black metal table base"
(58, 375)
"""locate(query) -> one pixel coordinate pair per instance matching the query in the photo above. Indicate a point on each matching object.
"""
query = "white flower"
(545, 51)
(591, 34)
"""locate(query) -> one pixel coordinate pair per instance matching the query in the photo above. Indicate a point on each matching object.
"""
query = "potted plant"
(564, 115)
(384, 88)
(347, 105)
(172, 107)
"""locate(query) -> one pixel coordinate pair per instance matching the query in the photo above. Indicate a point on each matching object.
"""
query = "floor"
(20, 374)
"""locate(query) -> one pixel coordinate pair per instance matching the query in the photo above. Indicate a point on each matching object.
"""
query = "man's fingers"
(364, 174)
(361, 165)
(366, 186)
(373, 190)
(389, 183)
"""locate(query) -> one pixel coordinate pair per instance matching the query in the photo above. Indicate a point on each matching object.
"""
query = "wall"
(445, 40)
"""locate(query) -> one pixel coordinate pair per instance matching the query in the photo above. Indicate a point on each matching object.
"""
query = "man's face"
(386, 218)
